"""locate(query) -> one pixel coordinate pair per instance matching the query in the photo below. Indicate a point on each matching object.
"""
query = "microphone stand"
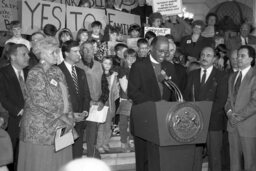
(173, 87)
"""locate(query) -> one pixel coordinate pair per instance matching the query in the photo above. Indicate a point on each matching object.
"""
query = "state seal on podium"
(185, 122)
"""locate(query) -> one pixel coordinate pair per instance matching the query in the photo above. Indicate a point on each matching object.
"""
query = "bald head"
(207, 57)
(172, 50)
(233, 59)
(160, 48)
(158, 39)
(245, 30)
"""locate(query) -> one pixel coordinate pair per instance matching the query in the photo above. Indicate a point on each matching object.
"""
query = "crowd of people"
(50, 79)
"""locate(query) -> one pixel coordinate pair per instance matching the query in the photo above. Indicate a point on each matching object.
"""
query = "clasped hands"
(234, 118)
(80, 116)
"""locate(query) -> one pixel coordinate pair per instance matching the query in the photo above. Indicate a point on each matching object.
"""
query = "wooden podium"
(157, 123)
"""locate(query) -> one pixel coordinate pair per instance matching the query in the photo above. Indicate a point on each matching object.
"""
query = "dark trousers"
(141, 155)
(225, 152)
(198, 158)
(14, 131)
(214, 149)
(91, 139)
(78, 145)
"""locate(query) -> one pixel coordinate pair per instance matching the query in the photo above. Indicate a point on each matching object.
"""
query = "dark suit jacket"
(181, 74)
(11, 97)
(81, 101)
(215, 90)
(235, 42)
(189, 48)
(143, 84)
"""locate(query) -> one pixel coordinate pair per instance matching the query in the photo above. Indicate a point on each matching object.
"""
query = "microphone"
(163, 78)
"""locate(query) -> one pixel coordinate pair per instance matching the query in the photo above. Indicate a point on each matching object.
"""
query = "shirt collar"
(17, 72)
(208, 70)
(153, 60)
(69, 66)
(244, 71)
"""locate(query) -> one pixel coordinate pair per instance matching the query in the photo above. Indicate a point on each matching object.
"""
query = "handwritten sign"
(37, 13)
(132, 43)
(122, 19)
(126, 4)
(167, 7)
(8, 13)
(158, 31)
(78, 17)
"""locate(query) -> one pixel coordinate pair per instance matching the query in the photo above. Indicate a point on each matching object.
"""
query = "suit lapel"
(68, 77)
(197, 84)
(245, 82)
(211, 78)
(14, 79)
(152, 72)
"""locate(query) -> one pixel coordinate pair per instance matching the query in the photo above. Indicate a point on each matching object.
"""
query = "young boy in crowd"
(125, 104)
(16, 35)
(120, 48)
(143, 48)
(96, 31)
(134, 31)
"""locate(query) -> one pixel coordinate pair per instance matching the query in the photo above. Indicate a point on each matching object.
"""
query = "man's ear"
(150, 48)
(66, 54)
(12, 57)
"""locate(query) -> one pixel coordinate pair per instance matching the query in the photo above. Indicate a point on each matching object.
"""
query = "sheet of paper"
(63, 141)
(97, 116)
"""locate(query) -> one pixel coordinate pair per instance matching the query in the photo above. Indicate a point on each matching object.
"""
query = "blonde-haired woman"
(47, 108)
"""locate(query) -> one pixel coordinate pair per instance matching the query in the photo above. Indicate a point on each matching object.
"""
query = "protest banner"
(158, 31)
(126, 4)
(8, 13)
(37, 13)
(167, 7)
(78, 17)
(123, 20)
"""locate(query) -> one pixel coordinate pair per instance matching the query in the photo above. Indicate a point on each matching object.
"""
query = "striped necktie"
(22, 83)
(74, 77)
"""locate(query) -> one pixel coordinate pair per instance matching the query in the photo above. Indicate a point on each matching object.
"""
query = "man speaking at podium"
(146, 84)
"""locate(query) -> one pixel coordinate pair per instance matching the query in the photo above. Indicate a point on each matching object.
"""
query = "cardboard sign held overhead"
(158, 31)
(37, 13)
(167, 7)
(8, 13)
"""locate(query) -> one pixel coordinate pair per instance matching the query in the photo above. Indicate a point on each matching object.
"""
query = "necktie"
(22, 83)
(245, 41)
(237, 84)
(74, 77)
(203, 78)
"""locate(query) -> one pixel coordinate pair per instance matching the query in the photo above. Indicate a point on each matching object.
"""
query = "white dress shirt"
(17, 73)
(208, 73)
(69, 67)
(244, 72)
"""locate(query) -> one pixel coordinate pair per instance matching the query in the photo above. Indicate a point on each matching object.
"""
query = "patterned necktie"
(74, 76)
(203, 78)
(237, 84)
(22, 83)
